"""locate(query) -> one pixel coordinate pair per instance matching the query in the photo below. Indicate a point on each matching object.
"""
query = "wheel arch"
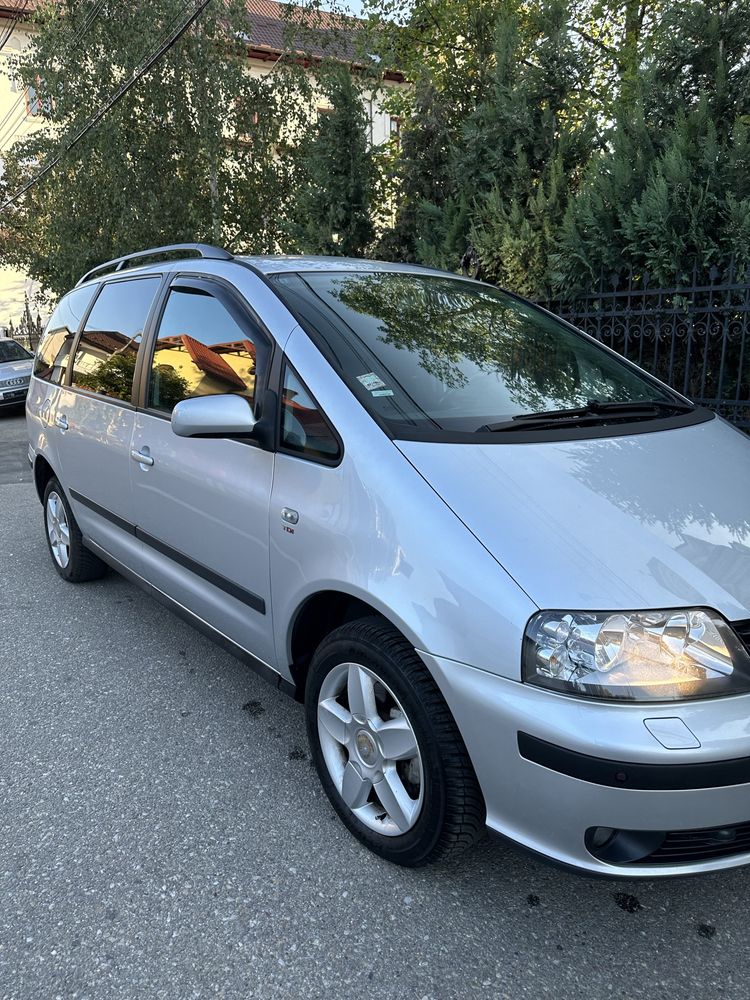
(317, 616)
(43, 472)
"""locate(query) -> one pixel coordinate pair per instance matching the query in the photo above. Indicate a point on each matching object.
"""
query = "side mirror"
(213, 416)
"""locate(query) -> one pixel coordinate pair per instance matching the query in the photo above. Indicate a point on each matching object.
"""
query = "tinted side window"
(201, 350)
(304, 429)
(107, 351)
(52, 353)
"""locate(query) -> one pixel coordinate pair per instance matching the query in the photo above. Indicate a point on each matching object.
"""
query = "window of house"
(33, 102)
(395, 128)
(202, 350)
(304, 429)
(107, 350)
(53, 351)
(36, 102)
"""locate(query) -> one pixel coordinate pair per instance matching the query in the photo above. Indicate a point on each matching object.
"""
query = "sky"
(354, 6)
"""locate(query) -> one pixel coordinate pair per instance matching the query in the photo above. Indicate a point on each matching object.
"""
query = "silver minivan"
(506, 571)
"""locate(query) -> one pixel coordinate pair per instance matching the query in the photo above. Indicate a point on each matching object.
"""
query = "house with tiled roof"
(269, 36)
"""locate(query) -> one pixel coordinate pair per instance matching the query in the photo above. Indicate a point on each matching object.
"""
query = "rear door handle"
(141, 457)
(61, 422)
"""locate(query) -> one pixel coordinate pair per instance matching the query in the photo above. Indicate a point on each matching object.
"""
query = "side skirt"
(258, 666)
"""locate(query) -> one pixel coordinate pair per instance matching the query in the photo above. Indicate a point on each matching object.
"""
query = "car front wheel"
(386, 748)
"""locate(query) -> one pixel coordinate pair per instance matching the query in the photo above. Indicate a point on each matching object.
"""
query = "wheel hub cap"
(366, 748)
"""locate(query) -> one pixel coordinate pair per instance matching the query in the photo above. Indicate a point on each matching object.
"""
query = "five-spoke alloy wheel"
(386, 748)
(370, 749)
(58, 530)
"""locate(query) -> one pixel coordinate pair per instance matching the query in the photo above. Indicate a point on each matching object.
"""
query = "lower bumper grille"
(687, 846)
(676, 847)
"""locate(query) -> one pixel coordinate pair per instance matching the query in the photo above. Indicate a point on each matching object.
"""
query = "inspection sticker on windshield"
(382, 392)
(371, 381)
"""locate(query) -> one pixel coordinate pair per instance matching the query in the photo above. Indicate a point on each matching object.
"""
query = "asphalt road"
(162, 835)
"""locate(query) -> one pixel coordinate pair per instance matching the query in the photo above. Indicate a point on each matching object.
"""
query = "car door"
(94, 415)
(50, 370)
(201, 505)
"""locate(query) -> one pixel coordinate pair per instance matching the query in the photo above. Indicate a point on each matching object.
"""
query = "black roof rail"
(203, 250)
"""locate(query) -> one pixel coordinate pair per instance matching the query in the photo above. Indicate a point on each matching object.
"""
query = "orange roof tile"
(212, 363)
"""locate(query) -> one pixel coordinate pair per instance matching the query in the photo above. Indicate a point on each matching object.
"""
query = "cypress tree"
(333, 210)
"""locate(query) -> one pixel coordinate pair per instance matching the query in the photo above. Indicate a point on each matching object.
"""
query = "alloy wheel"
(58, 530)
(370, 749)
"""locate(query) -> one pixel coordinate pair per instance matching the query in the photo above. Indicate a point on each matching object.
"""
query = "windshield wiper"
(594, 412)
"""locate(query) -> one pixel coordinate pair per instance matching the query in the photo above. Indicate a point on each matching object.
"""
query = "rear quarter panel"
(40, 407)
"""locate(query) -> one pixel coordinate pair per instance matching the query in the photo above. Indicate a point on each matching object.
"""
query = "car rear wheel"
(72, 560)
(386, 748)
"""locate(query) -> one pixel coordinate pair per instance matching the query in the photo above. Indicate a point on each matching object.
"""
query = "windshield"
(11, 351)
(437, 353)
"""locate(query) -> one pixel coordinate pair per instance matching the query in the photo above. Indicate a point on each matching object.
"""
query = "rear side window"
(304, 429)
(108, 348)
(52, 353)
(202, 350)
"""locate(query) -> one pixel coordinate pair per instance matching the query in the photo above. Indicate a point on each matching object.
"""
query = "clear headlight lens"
(635, 655)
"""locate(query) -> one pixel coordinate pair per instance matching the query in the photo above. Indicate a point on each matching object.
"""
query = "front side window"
(439, 354)
(54, 348)
(10, 350)
(107, 350)
(304, 429)
(202, 350)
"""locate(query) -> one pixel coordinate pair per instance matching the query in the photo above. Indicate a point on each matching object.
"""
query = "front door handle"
(61, 422)
(141, 457)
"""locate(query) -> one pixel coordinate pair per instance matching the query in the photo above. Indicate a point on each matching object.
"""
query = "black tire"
(82, 564)
(452, 816)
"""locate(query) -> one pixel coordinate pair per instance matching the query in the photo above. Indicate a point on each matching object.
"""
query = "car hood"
(650, 520)
(15, 369)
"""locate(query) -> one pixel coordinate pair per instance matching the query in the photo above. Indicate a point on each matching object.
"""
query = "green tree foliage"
(569, 138)
(493, 145)
(188, 154)
(336, 192)
(553, 141)
(670, 193)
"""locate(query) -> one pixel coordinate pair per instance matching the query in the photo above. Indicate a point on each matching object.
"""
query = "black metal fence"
(696, 338)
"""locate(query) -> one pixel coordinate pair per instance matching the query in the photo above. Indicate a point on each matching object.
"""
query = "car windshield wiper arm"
(595, 411)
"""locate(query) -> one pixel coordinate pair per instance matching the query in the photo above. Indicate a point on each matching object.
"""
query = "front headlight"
(635, 655)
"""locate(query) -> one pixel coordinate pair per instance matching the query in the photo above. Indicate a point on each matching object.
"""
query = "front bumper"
(540, 806)
(14, 396)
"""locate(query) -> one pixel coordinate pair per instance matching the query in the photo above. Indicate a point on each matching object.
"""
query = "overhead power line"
(9, 128)
(121, 91)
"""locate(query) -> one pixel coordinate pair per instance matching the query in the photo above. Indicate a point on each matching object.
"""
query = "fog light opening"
(599, 836)
(621, 847)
